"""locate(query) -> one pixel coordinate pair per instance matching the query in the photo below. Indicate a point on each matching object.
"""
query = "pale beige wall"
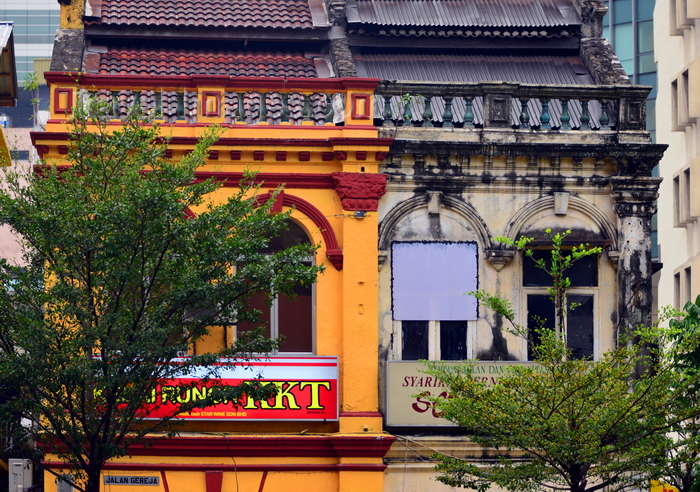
(677, 47)
(498, 205)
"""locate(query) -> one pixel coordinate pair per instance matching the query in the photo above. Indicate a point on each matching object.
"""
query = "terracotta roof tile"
(122, 61)
(210, 13)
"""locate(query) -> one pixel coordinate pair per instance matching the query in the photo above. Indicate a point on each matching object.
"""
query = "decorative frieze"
(360, 191)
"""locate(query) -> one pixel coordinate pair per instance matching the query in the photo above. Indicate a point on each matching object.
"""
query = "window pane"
(622, 11)
(257, 302)
(295, 320)
(293, 315)
(645, 37)
(453, 340)
(651, 115)
(429, 281)
(540, 314)
(624, 41)
(293, 235)
(645, 9)
(649, 79)
(414, 340)
(579, 327)
(582, 273)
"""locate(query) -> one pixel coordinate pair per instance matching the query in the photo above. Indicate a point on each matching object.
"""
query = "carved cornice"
(630, 159)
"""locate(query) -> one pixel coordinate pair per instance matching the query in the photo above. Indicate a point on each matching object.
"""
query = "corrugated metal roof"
(474, 68)
(5, 32)
(8, 70)
(481, 68)
(484, 13)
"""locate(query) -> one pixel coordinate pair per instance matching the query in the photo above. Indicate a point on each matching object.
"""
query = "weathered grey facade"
(522, 123)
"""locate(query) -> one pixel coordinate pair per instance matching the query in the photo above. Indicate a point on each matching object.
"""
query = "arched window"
(288, 317)
(579, 324)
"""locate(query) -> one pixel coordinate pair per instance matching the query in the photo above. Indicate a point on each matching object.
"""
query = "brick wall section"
(341, 58)
(68, 50)
(601, 62)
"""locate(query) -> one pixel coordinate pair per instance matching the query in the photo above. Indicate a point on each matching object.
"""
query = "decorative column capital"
(635, 196)
(359, 191)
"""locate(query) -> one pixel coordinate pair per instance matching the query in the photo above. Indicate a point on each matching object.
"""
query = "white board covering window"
(430, 279)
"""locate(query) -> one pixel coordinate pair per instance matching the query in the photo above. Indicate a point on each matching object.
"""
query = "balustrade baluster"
(544, 117)
(329, 107)
(285, 107)
(407, 113)
(306, 113)
(180, 105)
(468, 112)
(241, 107)
(447, 115)
(427, 111)
(524, 115)
(387, 112)
(565, 117)
(263, 107)
(604, 117)
(585, 116)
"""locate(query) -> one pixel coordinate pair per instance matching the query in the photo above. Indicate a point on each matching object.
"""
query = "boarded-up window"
(429, 282)
(430, 279)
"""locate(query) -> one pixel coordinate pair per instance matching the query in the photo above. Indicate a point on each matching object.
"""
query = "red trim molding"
(330, 446)
(333, 251)
(213, 479)
(360, 101)
(238, 142)
(288, 180)
(165, 467)
(360, 414)
(213, 99)
(66, 108)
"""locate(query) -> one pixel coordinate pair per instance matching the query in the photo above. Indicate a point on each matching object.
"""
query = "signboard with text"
(307, 389)
(407, 389)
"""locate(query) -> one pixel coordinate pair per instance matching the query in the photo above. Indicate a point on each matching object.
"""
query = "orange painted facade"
(330, 179)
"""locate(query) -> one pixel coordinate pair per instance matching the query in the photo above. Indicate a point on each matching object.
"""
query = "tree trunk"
(93, 478)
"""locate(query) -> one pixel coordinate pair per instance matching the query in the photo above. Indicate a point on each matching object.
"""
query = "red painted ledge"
(329, 446)
(363, 467)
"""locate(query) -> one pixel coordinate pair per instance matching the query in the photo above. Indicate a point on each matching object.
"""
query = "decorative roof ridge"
(465, 32)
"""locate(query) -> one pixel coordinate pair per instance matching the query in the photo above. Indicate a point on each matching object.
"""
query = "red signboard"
(307, 389)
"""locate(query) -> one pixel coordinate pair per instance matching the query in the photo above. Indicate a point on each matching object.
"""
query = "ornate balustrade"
(505, 105)
(249, 101)
(220, 99)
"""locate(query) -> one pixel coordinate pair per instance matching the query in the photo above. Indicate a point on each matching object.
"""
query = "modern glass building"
(629, 27)
(35, 25)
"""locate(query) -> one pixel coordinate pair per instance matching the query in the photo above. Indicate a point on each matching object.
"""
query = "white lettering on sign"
(130, 480)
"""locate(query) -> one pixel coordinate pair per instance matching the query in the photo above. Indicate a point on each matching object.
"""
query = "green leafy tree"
(679, 461)
(117, 280)
(562, 423)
